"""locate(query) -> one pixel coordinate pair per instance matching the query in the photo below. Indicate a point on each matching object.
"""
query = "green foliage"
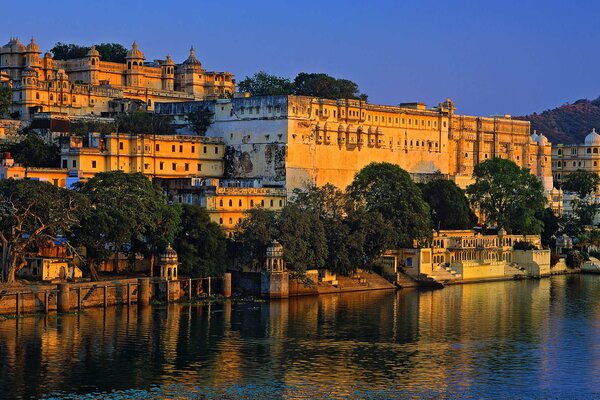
(581, 182)
(33, 151)
(263, 84)
(388, 190)
(200, 244)
(323, 85)
(141, 122)
(33, 211)
(124, 212)
(200, 120)
(551, 226)
(574, 259)
(252, 237)
(113, 52)
(508, 196)
(305, 84)
(449, 206)
(6, 94)
(82, 128)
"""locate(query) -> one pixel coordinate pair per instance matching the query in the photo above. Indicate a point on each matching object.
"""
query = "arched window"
(221, 202)
(149, 103)
(595, 150)
(51, 97)
(128, 64)
(589, 151)
(240, 203)
(93, 61)
(37, 96)
(230, 203)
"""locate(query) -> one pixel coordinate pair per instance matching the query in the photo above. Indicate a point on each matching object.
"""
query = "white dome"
(592, 139)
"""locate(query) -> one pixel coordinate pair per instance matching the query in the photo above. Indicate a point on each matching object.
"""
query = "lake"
(514, 339)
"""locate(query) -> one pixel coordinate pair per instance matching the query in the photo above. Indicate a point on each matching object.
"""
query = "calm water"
(518, 339)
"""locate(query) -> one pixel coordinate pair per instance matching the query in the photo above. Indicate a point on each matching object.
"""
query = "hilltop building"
(296, 141)
(90, 85)
(567, 158)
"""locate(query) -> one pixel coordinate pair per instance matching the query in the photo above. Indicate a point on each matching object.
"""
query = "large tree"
(30, 212)
(388, 190)
(200, 244)
(125, 210)
(113, 52)
(323, 85)
(253, 235)
(508, 196)
(581, 182)
(200, 120)
(449, 205)
(33, 151)
(6, 94)
(264, 84)
(141, 122)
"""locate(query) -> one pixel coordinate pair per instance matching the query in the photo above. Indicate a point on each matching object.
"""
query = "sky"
(489, 57)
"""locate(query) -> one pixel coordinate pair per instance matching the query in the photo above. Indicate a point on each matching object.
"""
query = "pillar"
(227, 284)
(63, 299)
(274, 285)
(143, 291)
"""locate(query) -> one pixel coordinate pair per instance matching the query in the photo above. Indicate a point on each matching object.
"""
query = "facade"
(227, 201)
(464, 254)
(567, 158)
(56, 176)
(158, 156)
(298, 141)
(90, 85)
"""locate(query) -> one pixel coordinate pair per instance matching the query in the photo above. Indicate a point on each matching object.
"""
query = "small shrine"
(274, 257)
(168, 264)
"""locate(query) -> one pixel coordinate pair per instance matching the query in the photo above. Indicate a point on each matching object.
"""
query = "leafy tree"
(388, 189)
(64, 51)
(113, 52)
(33, 211)
(6, 94)
(263, 84)
(125, 209)
(200, 120)
(33, 151)
(524, 245)
(302, 234)
(508, 196)
(141, 122)
(551, 226)
(200, 244)
(253, 235)
(574, 259)
(449, 206)
(82, 128)
(323, 85)
(581, 182)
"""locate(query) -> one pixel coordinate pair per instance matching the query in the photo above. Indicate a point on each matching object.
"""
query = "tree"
(64, 51)
(508, 196)
(33, 151)
(6, 94)
(113, 52)
(581, 182)
(551, 226)
(325, 86)
(33, 211)
(302, 235)
(388, 189)
(263, 84)
(125, 209)
(449, 206)
(200, 244)
(253, 235)
(141, 122)
(200, 120)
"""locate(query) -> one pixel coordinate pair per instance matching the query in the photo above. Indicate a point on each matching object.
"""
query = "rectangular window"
(173, 148)
(181, 148)
(187, 166)
(120, 145)
(158, 147)
(174, 165)
(93, 163)
(204, 149)
(193, 149)
(217, 150)
(64, 163)
(199, 167)
(74, 163)
(161, 165)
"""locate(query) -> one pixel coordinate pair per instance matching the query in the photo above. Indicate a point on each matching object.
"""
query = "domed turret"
(47, 55)
(168, 263)
(169, 61)
(32, 47)
(135, 52)
(14, 46)
(192, 61)
(592, 139)
(93, 52)
(274, 257)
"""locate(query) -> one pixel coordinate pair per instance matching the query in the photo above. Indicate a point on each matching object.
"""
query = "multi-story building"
(157, 156)
(567, 158)
(9, 169)
(297, 141)
(226, 200)
(90, 85)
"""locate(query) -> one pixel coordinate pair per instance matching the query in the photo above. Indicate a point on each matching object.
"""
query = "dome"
(93, 52)
(275, 249)
(539, 139)
(47, 55)
(502, 232)
(592, 139)
(14, 46)
(32, 47)
(135, 52)
(169, 254)
(169, 61)
(192, 60)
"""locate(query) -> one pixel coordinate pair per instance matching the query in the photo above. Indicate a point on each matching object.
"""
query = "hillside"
(569, 123)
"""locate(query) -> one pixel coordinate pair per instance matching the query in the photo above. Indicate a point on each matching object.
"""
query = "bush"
(574, 259)
(523, 245)
(554, 259)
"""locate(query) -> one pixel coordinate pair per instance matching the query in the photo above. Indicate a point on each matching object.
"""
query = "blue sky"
(501, 57)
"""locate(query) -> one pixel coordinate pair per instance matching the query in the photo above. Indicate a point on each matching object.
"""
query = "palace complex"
(297, 141)
(90, 85)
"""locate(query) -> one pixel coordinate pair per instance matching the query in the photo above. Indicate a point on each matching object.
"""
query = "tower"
(93, 57)
(192, 77)
(135, 63)
(274, 279)
(168, 264)
(168, 74)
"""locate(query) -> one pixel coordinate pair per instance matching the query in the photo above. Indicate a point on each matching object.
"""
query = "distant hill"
(569, 123)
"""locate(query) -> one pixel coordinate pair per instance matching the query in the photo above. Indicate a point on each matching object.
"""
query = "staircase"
(445, 274)
(89, 293)
(514, 270)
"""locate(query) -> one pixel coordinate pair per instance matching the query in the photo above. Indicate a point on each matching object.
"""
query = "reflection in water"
(505, 339)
